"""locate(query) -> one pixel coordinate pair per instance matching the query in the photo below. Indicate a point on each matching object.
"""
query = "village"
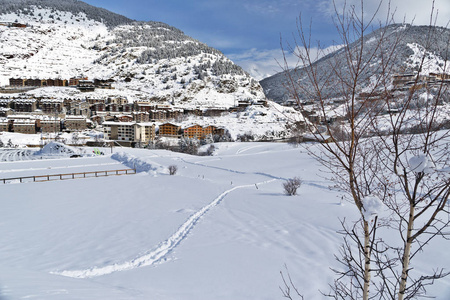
(139, 122)
(400, 83)
(121, 121)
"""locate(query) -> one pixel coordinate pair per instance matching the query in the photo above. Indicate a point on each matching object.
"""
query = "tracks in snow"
(159, 253)
(16, 155)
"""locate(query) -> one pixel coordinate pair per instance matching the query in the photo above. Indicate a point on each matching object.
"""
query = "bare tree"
(404, 172)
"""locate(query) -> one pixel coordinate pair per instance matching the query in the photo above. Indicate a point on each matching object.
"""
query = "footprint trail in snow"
(159, 253)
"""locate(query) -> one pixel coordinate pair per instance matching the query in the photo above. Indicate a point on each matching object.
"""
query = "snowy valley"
(221, 228)
(96, 206)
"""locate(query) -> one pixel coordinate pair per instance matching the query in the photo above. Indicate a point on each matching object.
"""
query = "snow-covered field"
(221, 228)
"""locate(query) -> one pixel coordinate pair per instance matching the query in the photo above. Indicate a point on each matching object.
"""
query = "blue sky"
(248, 31)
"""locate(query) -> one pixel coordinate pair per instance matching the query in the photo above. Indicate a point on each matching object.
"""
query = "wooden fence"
(43, 178)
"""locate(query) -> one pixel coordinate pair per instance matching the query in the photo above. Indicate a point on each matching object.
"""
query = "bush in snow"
(295, 140)
(210, 150)
(189, 146)
(10, 144)
(173, 169)
(246, 137)
(291, 185)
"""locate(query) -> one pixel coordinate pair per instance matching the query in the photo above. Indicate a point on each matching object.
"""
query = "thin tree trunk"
(406, 254)
(366, 260)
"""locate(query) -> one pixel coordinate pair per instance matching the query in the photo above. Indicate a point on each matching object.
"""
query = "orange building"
(193, 131)
(212, 130)
(169, 129)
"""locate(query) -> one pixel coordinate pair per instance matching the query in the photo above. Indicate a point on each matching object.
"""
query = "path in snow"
(306, 182)
(159, 253)
(245, 149)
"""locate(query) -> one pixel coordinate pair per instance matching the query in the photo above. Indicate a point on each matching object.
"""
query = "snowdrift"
(140, 164)
(57, 149)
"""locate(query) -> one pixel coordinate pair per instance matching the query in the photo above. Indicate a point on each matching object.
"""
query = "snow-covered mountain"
(145, 61)
(411, 44)
(155, 59)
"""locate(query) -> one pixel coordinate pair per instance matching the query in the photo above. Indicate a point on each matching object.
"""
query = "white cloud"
(416, 12)
(264, 63)
(261, 63)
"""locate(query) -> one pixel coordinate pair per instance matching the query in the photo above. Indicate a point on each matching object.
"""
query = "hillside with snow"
(147, 60)
(143, 61)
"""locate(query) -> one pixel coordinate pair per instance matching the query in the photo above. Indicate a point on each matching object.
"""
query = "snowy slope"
(47, 48)
(146, 61)
(158, 61)
(221, 228)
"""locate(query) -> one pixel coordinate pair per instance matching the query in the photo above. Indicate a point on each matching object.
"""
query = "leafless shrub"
(173, 169)
(291, 185)
(210, 150)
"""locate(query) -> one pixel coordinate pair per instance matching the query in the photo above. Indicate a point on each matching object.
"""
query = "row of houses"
(82, 83)
(190, 131)
(28, 124)
(20, 82)
(146, 132)
(71, 106)
(144, 111)
(28, 105)
(13, 24)
(401, 81)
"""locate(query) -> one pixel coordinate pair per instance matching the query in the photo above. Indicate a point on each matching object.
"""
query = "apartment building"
(129, 131)
(75, 123)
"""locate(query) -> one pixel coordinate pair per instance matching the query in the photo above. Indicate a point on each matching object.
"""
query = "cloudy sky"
(249, 31)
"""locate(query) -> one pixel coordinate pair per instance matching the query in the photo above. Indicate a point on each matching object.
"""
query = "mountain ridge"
(413, 39)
